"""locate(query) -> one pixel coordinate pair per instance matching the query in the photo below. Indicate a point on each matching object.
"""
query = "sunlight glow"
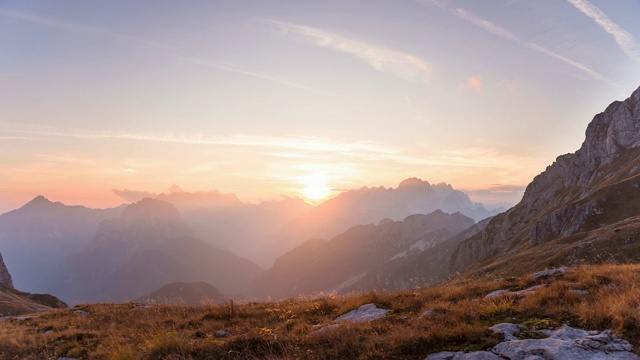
(315, 187)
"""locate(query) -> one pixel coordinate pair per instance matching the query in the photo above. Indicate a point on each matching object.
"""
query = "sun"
(315, 187)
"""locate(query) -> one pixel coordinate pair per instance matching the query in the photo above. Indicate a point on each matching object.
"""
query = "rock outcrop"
(5, 277)
(563, 343)
(598, 185)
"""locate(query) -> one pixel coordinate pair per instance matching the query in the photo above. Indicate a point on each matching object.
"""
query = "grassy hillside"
(15, 302)
(458, 320)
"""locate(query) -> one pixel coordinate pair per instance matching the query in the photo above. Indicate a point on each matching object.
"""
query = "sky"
(102, 102)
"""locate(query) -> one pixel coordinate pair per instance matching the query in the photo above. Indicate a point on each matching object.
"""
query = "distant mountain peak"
(151, 208)
(38, 201)
(413, 182)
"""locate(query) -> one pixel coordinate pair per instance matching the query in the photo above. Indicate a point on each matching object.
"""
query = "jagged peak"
(613, 130)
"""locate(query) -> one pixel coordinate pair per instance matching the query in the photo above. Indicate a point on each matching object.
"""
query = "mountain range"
(584, 208)
(371, 205)
(81, 254)
(148, 246)
(335, 265)
(36, 238)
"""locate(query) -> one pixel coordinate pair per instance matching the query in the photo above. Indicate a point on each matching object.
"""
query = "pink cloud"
(472, 83)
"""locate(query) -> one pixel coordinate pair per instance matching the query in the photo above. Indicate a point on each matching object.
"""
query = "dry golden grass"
(280, 330)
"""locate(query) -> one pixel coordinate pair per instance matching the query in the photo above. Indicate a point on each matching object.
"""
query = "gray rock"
(546, 273)
(566, 332)
(508, 330)
(477, 355)
(563, 343)
(580, 292)
(529, 291)
(428, 313)
(82, 313)
(364, 313)
(222, 334)
(497, 293)
(519, 293)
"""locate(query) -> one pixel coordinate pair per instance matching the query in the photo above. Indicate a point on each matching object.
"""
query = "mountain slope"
(37, 237)
(15, 302)
(149, 246)
(319, 265)
(182, 293)
(595, 190)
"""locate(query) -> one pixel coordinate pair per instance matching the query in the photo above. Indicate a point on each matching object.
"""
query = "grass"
(459, 321)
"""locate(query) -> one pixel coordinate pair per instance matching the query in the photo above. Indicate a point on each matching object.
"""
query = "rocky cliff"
(5, 277)
(596, 186)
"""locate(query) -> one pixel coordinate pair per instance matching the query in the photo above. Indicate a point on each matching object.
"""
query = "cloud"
(403, 65)
(500, 188)
(311, 144)
(625, 41)
(133, 195)
(472, 83)
(167, 50)
(491, 27)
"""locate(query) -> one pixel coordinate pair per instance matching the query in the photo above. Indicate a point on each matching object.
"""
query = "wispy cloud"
(491, 27)
(167, 50)
(472, 83)
(625, 41)
(397, 63)
(272, 142)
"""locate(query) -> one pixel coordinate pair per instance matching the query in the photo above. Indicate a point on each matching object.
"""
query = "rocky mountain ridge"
(335, 265)
(596, 186)
(371, 205)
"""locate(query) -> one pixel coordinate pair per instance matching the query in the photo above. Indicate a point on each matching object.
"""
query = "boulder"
(364, 313)
(546, 273)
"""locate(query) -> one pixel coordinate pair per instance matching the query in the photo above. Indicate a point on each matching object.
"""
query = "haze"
(108, 102)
